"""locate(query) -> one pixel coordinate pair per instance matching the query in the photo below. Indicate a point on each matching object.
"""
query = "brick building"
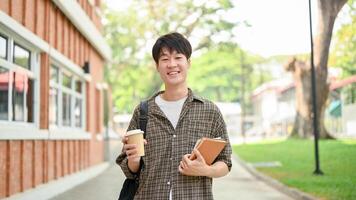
(52, 58)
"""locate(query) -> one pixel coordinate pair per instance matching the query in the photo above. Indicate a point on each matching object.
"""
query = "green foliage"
(219, 73)
(296, 156)
(106, 109)
(343, 55)
(131, 34)
(216, 74)
(132, 85)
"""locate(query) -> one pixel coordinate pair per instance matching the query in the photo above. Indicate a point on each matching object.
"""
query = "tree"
(131, 35)
(303, 125)
(343, 55)
(217, 74)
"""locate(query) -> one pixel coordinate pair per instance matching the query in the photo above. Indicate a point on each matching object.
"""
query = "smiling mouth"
(173, 73)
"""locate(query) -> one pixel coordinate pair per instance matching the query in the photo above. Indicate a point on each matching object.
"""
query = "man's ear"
(156, 66)
(189, 63)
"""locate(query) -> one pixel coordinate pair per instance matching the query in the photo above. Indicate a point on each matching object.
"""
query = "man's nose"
(172, 63)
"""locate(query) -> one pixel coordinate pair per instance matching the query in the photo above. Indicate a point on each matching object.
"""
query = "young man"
(177, 118)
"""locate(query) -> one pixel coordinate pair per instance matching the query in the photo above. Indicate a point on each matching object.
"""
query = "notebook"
(209, 148)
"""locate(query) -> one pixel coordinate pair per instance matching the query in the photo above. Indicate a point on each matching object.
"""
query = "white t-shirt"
(172, 110)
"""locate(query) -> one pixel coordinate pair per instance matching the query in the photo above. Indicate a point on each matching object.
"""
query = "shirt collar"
(191, 96)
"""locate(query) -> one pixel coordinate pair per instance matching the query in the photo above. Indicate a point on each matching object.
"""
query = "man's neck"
(175, 93)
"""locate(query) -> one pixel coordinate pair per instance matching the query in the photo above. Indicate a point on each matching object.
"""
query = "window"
(53, 96)
(21, 56)
(3, 47)
(78, 106)
(66, 98)
(67, 81)
(4, 93)
(17, 81)
(66, 108)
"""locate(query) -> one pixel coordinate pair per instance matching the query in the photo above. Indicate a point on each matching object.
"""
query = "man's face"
(173, 67)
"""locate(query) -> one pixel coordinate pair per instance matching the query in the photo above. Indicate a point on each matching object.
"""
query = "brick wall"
(24, 164)
(28, 163)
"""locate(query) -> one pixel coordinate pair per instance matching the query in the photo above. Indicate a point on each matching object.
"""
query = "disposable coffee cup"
(136, 137)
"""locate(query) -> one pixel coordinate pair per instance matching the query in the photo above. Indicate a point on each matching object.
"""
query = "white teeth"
(172, 73)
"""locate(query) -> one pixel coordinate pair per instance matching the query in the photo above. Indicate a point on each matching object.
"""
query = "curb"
(291, 192)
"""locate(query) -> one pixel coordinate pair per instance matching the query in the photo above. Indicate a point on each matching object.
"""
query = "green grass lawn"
(337, 158)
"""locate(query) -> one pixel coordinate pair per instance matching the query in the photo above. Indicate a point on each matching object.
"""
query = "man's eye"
(179, 57)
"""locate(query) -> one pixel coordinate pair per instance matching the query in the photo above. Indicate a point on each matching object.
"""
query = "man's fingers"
(183, 165)
(186, 160)
(131, 152)
(199, 156)
(129, 146)
(124, 140)
(145, 141)
(180, 169)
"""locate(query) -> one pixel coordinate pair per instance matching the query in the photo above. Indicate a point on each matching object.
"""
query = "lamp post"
(314, 96)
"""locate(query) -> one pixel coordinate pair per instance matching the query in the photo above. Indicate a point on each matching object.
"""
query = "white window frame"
(26, 38)
(33, 74)
(73, 95)
(82, 97)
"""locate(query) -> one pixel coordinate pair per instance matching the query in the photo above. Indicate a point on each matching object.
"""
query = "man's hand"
(132, 154)
(197, 167)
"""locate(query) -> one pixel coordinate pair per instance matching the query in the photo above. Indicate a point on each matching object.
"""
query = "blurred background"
(71, 73)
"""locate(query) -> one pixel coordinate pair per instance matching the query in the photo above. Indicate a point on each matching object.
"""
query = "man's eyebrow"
(163, 54)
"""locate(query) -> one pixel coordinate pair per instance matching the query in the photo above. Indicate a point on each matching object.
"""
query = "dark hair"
(171, 41)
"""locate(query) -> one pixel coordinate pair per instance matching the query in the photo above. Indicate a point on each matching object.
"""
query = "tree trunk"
(303, 124)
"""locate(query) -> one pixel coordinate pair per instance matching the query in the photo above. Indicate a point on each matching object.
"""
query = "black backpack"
(130, 186)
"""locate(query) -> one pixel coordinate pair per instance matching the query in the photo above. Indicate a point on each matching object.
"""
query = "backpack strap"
(143, 116)
(143, 124)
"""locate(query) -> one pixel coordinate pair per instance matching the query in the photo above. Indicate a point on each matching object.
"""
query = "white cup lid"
(133, 132)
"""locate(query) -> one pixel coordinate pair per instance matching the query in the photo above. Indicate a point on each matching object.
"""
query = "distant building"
(274, 107)
(52, 57)
(341, 110)
(232, 117)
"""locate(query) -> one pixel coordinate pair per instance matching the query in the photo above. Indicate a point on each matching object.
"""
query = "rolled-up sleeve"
(121, 160)
(220, 131)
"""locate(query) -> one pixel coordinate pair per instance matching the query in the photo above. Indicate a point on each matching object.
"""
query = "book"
(209, 148)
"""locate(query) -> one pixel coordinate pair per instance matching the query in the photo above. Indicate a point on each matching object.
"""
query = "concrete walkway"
(238, 184)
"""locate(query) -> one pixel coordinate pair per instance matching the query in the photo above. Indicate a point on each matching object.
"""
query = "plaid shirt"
(166, 147)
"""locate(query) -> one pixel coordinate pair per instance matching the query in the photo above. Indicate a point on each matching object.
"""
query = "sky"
(278, 27)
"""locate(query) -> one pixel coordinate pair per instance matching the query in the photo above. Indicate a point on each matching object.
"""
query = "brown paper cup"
(136, 137)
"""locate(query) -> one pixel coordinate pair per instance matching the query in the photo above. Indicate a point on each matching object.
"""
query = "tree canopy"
(343, 55)
(131, 34)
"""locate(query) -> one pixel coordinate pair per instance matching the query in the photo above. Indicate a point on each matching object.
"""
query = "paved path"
(238, 184)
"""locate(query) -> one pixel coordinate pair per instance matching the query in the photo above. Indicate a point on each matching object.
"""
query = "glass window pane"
(66, 111)
(21, 56)
(29, 92)
(4, 93)
(18, 92)
(53, 106)
(78, 86)
(78, 112)
(3, 47)
(54, 74)
(67, 80)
